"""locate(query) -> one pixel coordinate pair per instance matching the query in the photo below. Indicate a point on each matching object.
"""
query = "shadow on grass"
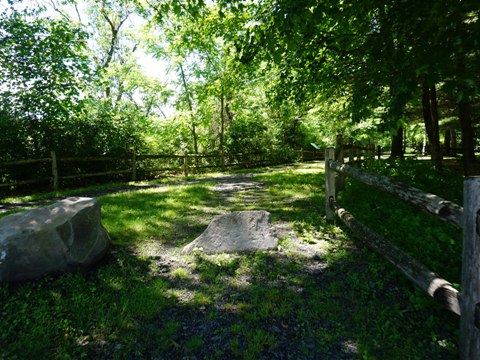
(343, 303)
(257, 306)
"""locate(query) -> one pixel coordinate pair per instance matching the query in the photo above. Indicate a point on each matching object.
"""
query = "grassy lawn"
(320, 296)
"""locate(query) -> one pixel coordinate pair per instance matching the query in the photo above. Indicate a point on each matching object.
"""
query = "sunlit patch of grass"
(211, 267)
(201, 298)
(60, 193)
(317, 295)
(284, 242)
(165, 214)
(180, 273)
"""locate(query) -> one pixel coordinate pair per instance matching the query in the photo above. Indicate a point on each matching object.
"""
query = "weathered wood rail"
(467, 302)
(429, 203)
(57, 169)
(137, 165)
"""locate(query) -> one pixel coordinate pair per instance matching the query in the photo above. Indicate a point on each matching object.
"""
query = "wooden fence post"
(329, 184)
(351, 151)
(185, 164)
(222, 160)
(470, 290)
(54, 170)
(357, 151)
(134, 167)
(340, 182)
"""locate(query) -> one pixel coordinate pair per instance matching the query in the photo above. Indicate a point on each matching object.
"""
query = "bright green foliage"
(225, 105)
(370, 56)
(250, 76)
(43, 73)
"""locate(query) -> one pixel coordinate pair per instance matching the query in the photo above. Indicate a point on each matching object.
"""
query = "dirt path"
(227, 184)
(319, 296)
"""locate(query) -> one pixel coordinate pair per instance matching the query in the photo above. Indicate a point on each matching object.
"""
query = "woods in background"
(238, 77)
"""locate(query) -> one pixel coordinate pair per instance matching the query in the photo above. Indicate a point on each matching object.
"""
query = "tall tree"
(44, 70)
(360, 48)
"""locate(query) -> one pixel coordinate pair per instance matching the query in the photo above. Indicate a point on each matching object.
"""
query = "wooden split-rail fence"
(57, 169)
(140, 166)
(466, 304)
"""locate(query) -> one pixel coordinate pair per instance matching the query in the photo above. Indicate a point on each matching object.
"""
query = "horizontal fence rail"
(429, 203)
(25, 162)
(137, 165)
(438, 288)
(143, 165)
(91, 158)
(465, 303)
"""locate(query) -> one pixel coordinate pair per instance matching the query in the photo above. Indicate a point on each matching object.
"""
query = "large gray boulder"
(241, 231)
(61, 237)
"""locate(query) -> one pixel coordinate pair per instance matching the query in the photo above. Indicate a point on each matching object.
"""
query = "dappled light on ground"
(319, 296)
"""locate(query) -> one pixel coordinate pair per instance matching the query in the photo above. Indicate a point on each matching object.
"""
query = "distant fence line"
(467, 303)
(141, 166)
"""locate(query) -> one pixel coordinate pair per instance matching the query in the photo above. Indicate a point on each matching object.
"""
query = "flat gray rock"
(241, 231)
(61, 237)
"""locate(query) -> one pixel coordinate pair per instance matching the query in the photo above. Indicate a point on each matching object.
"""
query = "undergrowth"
(435, 243)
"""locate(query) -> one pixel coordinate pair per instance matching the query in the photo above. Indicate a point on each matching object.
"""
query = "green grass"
(59, 193)
(436, 244)
(166, 215)
(319, 296)
(13, 199)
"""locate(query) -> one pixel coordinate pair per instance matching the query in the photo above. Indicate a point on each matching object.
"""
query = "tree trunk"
(339, 156)
(397, 144)
(430, 118)
(453, 136)
(424, 144)
(468, 150)
(222, 129)
(437, 156)
(465, 116)
(195, 140)
(115, 30)
(228, 112)
(190, 106)
(447, 142)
